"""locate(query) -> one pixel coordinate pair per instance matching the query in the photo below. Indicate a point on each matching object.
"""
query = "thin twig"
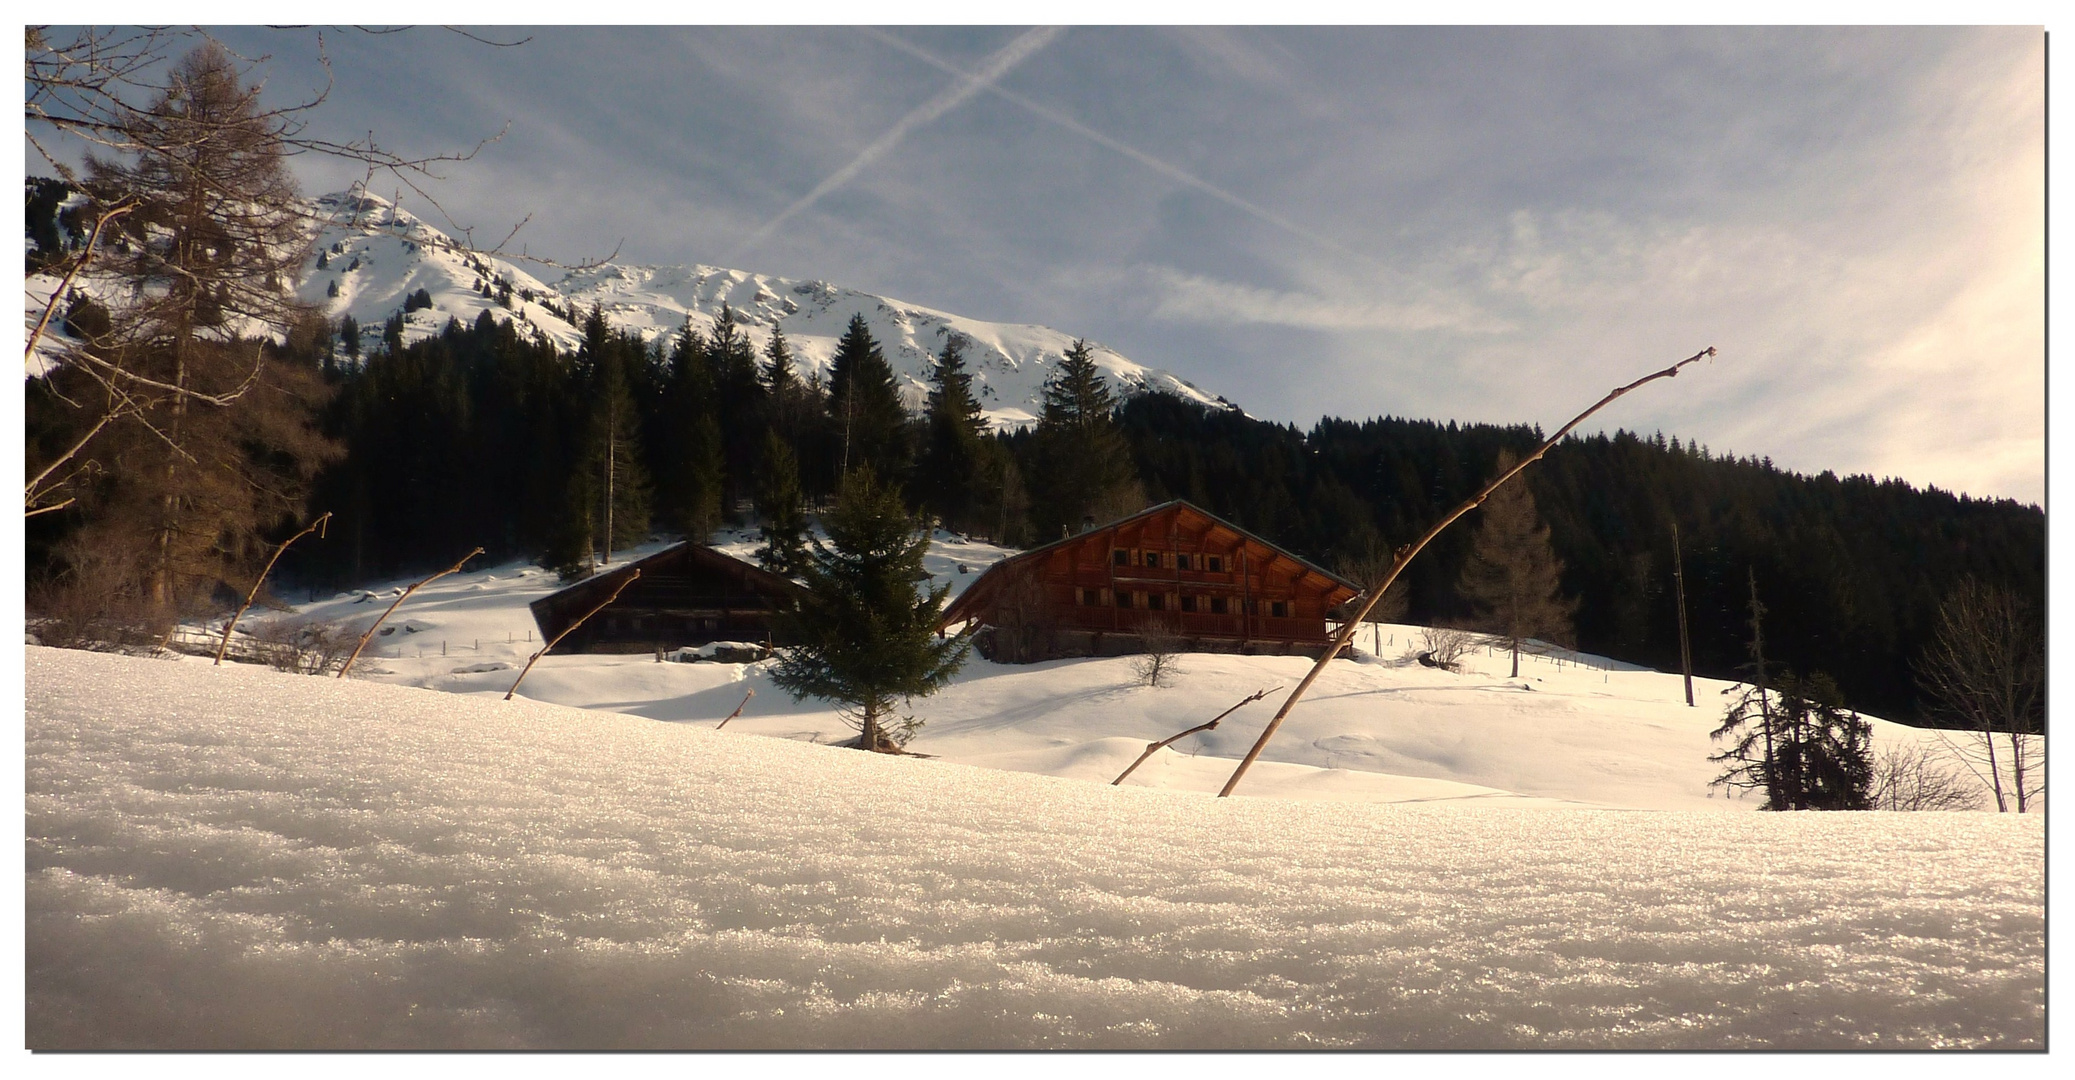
(531, 660)
(1152, 748)
(317, 527)
(392, 607)
(85, 255)
(1404, 555)
(738, 710)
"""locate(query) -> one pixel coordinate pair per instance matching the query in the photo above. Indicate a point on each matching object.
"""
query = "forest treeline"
(483, 436)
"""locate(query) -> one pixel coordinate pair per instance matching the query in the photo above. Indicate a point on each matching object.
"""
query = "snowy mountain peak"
(372, 255)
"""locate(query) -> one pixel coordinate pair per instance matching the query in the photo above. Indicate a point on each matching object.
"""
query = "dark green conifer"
(784, 519)
(869, 423)
(949, 476)
(866, 635)
(1083, 465)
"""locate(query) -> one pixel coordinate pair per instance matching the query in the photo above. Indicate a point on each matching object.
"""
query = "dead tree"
(454, 569)
(1405, 554)
(1153, 748)
(317, 527)
(602, 605)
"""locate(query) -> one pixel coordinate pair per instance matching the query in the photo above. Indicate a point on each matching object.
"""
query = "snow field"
(1385, 729)
(231, 857)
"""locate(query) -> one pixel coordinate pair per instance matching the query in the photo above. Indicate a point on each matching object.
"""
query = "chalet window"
(1152, 558)
(1156, 601)
(1217, 605)
(1214, 563)
(1181, 562)
(1121, 557)
(1091, 597)
(1123, 599)
(1278, 609)
(1188, 602)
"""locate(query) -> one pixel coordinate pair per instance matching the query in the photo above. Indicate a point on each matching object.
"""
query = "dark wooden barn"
(1174, 570)
(689, 594)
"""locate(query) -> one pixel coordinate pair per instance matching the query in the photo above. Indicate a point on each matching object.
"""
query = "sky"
(1474, 224)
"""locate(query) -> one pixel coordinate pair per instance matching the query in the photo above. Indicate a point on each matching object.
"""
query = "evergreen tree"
(349, 335)
(784, 527)
(1082, 464)
(950, 474)
(1512, 576)
(1798, 744)
(866, 636)
(618, 479)
(865, 411)
(689, 456)
(743, 406)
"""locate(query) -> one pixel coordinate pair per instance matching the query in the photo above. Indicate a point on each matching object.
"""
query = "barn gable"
(1175, 570)
(688, 594)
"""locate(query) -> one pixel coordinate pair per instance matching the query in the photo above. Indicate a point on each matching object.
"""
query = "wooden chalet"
(689, 594)
(1174, 570)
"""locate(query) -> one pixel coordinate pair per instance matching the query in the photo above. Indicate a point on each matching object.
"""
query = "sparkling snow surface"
(231, 857)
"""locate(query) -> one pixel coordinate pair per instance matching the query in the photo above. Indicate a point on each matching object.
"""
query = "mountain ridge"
(370, 255)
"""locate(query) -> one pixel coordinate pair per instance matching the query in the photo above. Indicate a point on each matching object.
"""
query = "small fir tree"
(866, 636)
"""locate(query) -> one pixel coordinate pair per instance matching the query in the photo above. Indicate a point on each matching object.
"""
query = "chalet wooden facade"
(689, 594)
(1174, 570)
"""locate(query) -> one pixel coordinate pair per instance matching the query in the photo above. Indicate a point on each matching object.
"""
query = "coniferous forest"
(479, 436)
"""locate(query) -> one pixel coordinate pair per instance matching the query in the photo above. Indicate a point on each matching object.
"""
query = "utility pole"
(1685, 648)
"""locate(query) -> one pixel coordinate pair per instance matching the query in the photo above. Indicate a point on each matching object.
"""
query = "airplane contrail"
(968, 84)
(1143, 158)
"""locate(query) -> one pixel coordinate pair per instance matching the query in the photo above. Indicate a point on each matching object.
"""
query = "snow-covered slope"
(377, 254)
(231, 857)
(1572, 731)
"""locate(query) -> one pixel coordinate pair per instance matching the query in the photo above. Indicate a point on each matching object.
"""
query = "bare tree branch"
(602, 605)
(454, 569)
(1404, 555)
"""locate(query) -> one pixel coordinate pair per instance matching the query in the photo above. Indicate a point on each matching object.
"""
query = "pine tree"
(1798, 744)
(865, 411)
(866, 635)
(949, 475)
(1512, 576)
(613, 448)
(1083, 466)
(689, 459)
(784, 527)
(742, 403)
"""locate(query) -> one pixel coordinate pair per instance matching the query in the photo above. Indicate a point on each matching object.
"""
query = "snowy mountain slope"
(223, 858)
(1572, 731)
(377, 254)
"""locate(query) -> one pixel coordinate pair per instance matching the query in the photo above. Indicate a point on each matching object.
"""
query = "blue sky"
(1457, 223)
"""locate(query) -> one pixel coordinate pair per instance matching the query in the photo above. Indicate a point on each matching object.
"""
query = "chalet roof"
(975, 592)
(598, 586)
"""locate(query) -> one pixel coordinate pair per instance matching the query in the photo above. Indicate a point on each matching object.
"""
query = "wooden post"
(1404, 555)
(392, 607)
(1685, 649)
(316, 526)
(1152, 748)
(544, 649)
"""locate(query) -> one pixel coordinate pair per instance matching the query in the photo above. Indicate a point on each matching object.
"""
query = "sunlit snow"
(234, 857)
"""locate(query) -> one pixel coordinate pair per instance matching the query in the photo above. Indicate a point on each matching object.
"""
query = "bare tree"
(1444, 646)
(1512, 575)
(1156, 662)
(1913, 778)
(1986, 669)
(1368, 568)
